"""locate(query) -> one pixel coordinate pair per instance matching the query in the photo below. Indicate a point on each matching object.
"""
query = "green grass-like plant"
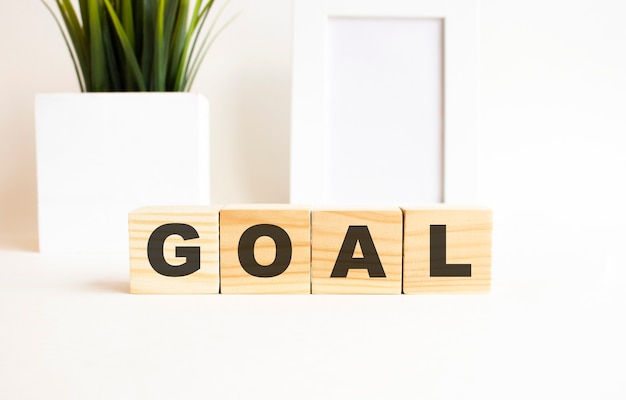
(137, 45)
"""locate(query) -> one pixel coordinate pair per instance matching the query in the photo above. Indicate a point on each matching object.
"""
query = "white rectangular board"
(387, 111)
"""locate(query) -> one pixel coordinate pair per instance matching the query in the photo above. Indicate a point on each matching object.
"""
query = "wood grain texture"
(468, 241)
(328, 232)
(143, 221)
(294, 220)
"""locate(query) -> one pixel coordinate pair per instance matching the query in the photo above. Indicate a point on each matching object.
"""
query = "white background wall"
(552, 133)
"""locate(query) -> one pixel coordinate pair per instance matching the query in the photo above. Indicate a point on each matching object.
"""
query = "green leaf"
(128, 21)
(96, 48)
(77, 35)
(201, 18)
(159, 49)
(177, 48)
(194, 28)
(114, 70)
(69, 48)
(147, 53)
(84, 15)
(206, 45)
(131, 60)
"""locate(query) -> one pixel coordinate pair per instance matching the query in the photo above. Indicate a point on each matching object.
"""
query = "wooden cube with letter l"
(356, 251)
(447, 250)
(265, 248)
(174, 249)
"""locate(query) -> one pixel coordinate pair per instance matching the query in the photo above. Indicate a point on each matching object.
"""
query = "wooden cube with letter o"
(356, 251)
(265, 248)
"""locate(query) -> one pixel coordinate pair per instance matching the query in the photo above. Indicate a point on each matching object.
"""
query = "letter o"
(245, 250)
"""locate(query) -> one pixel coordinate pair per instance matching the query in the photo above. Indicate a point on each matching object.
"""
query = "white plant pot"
(100, 155)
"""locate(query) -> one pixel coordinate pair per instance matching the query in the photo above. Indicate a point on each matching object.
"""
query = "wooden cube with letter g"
(174, 249)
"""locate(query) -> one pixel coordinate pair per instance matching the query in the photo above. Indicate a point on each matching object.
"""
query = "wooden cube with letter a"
(174, 249)
(265, 248)
(356, 251)
(447, 250)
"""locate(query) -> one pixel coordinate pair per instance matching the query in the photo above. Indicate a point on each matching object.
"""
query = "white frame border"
(460, 90)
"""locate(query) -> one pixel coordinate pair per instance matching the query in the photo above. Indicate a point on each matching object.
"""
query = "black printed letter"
(438, 266)
(246, 250)
(370, 260)
(191, 254)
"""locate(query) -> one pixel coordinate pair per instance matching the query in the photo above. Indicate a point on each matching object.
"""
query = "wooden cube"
(174, 249)
(265, 249)
(356, 251)
(447, 250)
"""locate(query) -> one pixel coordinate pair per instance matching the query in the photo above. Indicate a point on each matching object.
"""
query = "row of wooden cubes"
(290, 249)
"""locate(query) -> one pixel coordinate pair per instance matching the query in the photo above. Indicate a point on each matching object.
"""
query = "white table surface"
(71, 330)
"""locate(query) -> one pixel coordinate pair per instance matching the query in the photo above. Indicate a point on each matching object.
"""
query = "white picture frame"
(309, 122)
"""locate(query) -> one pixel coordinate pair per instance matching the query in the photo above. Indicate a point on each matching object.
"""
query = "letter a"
(370, 260)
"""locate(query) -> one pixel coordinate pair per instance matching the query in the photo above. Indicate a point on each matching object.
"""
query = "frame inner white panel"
(316, 151)
(384, 87)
